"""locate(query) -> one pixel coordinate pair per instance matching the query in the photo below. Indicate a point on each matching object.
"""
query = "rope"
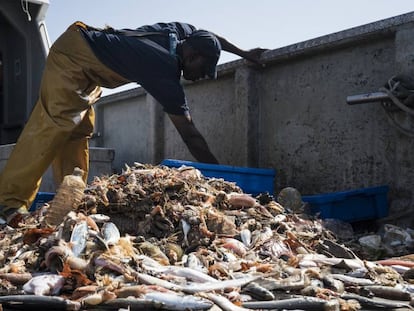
(25, 8)
(400, 105)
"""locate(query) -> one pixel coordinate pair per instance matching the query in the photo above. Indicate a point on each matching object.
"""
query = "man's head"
(201, 52)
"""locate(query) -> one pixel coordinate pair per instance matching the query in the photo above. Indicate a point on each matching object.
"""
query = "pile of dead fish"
(155, 238)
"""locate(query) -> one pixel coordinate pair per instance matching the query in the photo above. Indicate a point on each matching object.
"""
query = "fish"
(100, 218)
(174, 252)
(213, 286)
(376, 303)
(132, 304)
(240, 200)
(400, 269)
(198, 287)
(77, 263)
(388, 292)
(44, 285)
(192, 274)
(395, 262)
(174, 301)
(32, 302)
(186, 228)
(234, 245)
(258, 292)
(154, 252)
(110, 233)
(294, 282)
(332, 283)
(246, 237)
(223, 302)
(149, 263)
(188, 273)
(193, 262)
(56, 255)
(302, 303)
(16, 278)
(78, 238)
(320, 259)
(108, 263)
(352, 280)
(259, 237)
(152, 280)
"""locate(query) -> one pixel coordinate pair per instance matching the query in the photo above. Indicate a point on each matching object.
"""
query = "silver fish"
(224, 303)
(99, 218)
(334, 284)
(186, 228)
(212, 286)
(16, 278)
(55, 256)
(246, 237)
(41, 302)
(258, 292)
(377, 303)
(295, 282)
(79, 237)
(173, 301)
(190, 274)
(22, 250)
(133, 304)
(320, 259)
(302, 303)
(106, 262)
(150, 264)
(110, 233)
(194, 275)
(388, 292)
(193, 262)
(352, 280)
(199, 287)
(152, 280)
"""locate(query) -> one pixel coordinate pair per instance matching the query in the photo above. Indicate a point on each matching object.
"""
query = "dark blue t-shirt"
(146, 60)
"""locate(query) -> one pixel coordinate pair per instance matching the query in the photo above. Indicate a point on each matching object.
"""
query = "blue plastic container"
(350, 206)
(251, 180)
(41, 199)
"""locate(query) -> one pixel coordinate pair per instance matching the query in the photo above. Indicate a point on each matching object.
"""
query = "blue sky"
(261, 23)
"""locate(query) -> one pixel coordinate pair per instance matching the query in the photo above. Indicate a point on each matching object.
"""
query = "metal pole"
(367, 98)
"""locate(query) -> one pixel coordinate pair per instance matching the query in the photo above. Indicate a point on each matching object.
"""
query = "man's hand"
(254, 55)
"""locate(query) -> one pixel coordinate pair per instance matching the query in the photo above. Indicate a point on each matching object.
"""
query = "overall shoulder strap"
(173, 40)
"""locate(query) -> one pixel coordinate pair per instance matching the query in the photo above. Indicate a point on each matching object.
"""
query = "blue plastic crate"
(41, 199)
(251, 180)
(350, 206)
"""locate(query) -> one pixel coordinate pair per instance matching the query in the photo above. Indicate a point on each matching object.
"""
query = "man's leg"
(75, 152)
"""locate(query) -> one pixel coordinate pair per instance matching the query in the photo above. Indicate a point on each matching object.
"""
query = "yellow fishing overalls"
(62, 121)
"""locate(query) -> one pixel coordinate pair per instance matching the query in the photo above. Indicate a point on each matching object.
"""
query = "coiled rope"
(393, 89)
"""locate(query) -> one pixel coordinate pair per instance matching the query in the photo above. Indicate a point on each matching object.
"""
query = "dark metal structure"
(24, 44)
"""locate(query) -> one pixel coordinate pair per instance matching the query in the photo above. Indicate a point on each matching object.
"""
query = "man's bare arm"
(252, 55)
(195, 142)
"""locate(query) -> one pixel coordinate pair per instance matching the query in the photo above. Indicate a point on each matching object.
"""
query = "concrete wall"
(291, 115)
